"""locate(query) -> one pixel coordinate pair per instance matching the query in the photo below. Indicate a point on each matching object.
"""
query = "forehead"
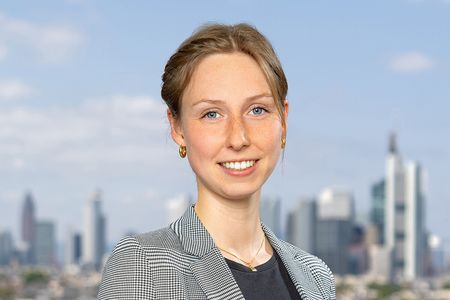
(226, 76)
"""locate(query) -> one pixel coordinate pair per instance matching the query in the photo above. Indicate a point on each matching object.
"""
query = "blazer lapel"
(215, 278)
(212, 272)
(300, 274)
(210, 269)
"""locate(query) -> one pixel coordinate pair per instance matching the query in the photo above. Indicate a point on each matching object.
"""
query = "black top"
(270, 281)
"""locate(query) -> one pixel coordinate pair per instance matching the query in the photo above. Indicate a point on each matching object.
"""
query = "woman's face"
(230, 126)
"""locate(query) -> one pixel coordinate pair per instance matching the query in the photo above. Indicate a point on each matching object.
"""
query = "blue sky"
(80, 106)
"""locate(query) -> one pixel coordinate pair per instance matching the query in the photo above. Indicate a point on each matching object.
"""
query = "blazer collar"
(193, 236)
(299, 272)
(196, 241)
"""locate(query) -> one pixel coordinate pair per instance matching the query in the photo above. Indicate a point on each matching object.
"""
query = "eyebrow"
(216, 101)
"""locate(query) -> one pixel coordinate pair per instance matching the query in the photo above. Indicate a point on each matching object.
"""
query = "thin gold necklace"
(250, 263)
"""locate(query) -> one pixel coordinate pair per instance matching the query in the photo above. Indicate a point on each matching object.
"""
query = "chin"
(239, 193)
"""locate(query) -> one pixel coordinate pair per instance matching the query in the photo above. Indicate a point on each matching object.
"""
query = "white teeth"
(238, 165)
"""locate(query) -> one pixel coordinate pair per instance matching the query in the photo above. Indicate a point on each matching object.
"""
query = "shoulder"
(127, 270)
(161, 238)
(317, 267)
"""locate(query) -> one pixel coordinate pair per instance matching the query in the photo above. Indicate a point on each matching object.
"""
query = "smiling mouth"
(239, 165)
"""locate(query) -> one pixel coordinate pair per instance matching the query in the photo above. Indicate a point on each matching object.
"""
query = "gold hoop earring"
(283, 142)
(182, 151)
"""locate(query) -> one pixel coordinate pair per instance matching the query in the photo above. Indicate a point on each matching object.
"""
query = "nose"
(238, 137)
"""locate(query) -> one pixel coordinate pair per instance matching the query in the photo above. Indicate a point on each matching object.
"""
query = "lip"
(240, 173)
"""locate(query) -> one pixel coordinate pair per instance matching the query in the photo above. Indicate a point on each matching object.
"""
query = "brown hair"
(219, 38)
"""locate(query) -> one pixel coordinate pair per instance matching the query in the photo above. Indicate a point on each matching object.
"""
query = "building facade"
(94, 235)
(301, 229)
(378, 209)
(405, 233)
(45, 243)
(6, 247)
(27, 230)
(335, 222)
(270, 210)
(73, 248)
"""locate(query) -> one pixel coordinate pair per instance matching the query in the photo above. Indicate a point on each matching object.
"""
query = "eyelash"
(208, 112)
(264, 110)
(213, 111)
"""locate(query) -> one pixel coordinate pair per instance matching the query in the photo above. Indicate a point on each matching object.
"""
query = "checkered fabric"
(182, 262)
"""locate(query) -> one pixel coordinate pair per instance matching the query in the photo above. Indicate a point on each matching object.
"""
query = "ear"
(286, 112)
(175, 129)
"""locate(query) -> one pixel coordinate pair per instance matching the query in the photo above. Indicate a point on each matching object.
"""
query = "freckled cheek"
(208, 141)
(267, 136)
(204, 142)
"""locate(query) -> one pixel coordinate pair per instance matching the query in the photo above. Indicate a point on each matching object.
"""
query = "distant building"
(437, 253)
(405, 230)
(378, 208)
(94, 238)
(270, 210)
(371, 235)
(302, 225)
(446, 249)
(45, 243)
(27, 230)
(380, 259)
(336, 203)
(335, 223)
(73, 248)
(358, 256)
(6, 247)
(177, 206)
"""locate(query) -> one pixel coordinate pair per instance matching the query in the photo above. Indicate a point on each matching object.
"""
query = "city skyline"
(404, 187)
(80, 106)
(323, 225)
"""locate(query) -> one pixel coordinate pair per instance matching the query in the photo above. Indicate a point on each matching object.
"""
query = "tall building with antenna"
(28, 229)
(94, 234)
(405, 233)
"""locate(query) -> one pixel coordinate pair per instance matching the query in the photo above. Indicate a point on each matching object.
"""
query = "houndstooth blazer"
(182, 262)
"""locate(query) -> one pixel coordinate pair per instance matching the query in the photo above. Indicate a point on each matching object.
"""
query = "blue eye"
(211, 115)
(258, 111)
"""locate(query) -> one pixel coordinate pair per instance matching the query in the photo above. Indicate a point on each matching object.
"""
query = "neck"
(234, 224)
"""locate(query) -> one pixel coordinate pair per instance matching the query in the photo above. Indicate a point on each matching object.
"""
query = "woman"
(226, 97)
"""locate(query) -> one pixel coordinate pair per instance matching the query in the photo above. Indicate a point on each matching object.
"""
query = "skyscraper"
(302, 225)
(270, 211)
(45, 243)
(335, 213)
(377, 210)
(416, 235)
(6, 247)
(94, 238)
(28, 221)
(405, 231)
(73, 248)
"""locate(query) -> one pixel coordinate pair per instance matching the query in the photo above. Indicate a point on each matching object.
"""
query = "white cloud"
(53, 44)
(18, 163)
(411, 62)
(14, 89)
(113, 130)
